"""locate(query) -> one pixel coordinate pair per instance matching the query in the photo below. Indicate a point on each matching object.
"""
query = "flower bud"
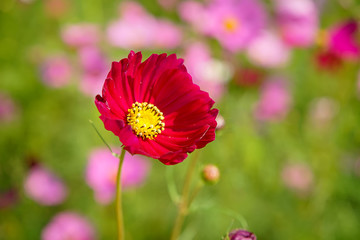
(211, 174)
(239, 234)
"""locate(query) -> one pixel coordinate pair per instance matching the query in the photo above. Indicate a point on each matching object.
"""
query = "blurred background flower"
(235, 23)
(275, 100)
(298, 177)
(44, 187)
(68, 225)
(56, 71)
(297, 21)
(102, 169)
(80, 35)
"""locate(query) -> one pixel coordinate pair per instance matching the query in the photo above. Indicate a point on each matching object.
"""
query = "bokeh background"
(284, 75)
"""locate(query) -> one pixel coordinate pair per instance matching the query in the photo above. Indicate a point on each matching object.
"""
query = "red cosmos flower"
(155, 109)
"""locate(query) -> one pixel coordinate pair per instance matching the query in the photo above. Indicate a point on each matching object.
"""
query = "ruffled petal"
(173, 158)
(150, 71)
(114, 98)
(114, 125)
(130, 141)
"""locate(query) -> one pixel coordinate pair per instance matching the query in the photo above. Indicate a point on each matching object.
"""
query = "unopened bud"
(211, 174)
(240, 234)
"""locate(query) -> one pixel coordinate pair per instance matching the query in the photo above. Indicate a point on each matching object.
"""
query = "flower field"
(228, 119)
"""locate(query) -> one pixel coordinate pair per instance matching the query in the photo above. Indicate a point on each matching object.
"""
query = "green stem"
(183, 205)
(195, 192)
(119, 212)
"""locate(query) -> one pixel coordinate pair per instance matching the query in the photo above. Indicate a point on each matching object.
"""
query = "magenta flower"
(297, 21)
(80, 35)
(101, 173)
(235, 23)
(267, 50)
(338, 45)
(240, 234)
(155, 109)
(68, 225)
(342, 40)
(44, 187)
(274, 101)
(298, 177)
(358, 83)
(56, 71)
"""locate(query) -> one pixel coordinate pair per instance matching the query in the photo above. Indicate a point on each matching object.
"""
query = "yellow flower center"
(145, 120)
(231, 24)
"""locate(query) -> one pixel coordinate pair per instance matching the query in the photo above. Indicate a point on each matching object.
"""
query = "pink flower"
(167, 35)
(80, 35)
(138, 29)
(209, 73)
(342, 40)
(195, 14)
(91, 84)
(297, 21)
(94, 66)
(56, 71)
(102, 171)
(132, 32)
(8, 108)
(298, 177)
(92, 60)
(267, 50)
(274, 101)
(44, 187)
(235, 23)
(68, 225)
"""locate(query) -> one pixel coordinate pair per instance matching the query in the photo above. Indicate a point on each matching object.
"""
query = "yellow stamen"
(231, 24)
(145, 120)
